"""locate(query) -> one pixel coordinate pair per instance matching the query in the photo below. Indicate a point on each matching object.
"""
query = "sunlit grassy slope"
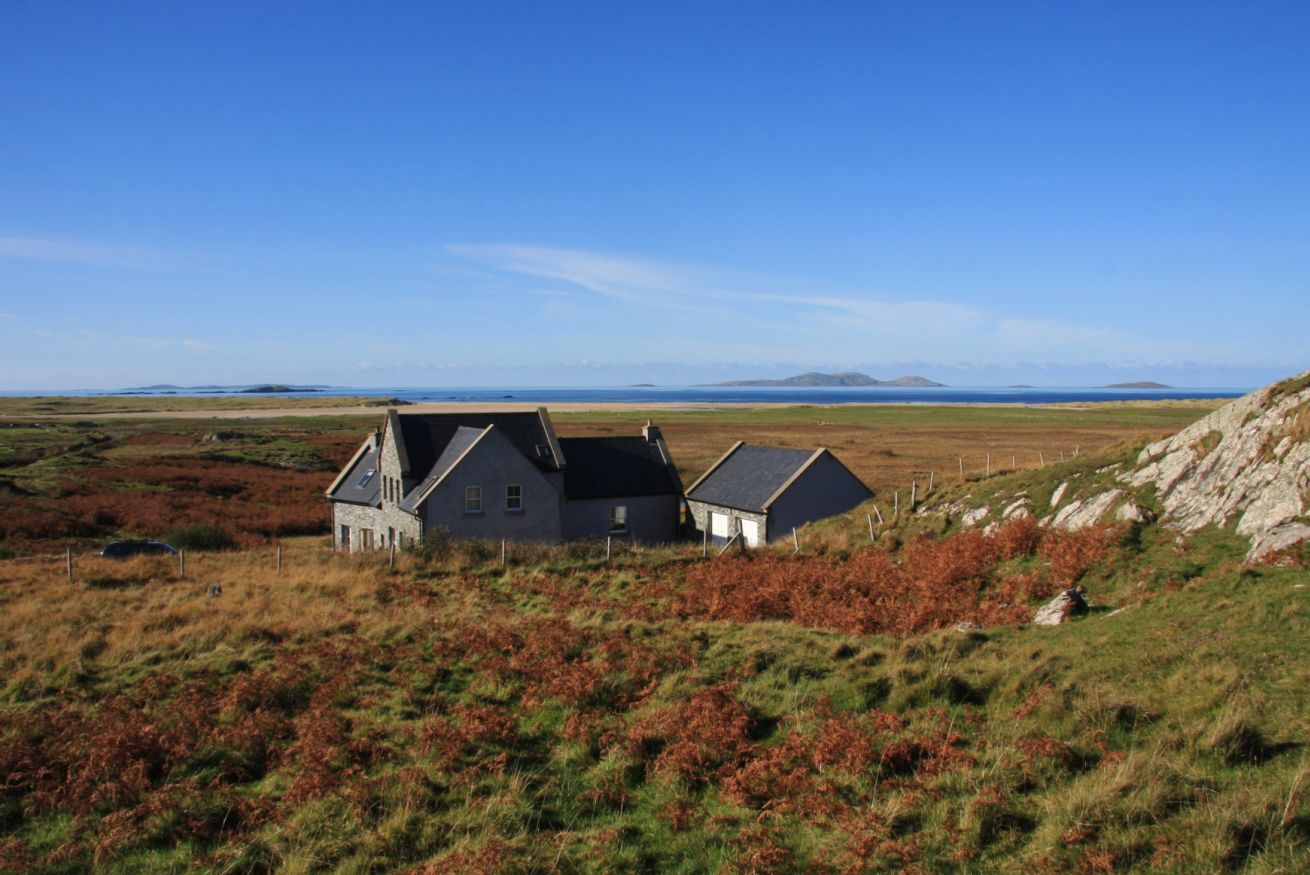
(563, 713)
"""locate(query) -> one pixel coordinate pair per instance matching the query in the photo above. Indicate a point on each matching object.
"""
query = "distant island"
(642, 386)
(264, 388)
(843, 378)
(276, 390)
(1140, 384)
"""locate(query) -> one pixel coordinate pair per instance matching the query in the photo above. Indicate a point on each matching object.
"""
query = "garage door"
(719, 526)
(750, 533)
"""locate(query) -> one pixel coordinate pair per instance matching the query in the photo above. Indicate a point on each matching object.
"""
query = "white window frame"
(514, 498)
(472, 499)
(619, 515)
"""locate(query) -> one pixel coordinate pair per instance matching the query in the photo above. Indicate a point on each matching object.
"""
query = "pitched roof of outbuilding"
(748, 477)
(613, 467)
(427, 435)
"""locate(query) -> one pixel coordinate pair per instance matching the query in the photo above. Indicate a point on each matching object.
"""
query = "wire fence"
(923, 484)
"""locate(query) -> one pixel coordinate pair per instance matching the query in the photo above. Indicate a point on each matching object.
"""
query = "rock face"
(1249, 459)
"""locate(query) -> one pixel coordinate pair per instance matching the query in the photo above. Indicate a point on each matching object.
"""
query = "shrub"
(199, 536)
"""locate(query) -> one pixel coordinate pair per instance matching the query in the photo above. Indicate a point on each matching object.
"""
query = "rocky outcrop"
(1055, 612)
(1249, 460)
(1084, 512)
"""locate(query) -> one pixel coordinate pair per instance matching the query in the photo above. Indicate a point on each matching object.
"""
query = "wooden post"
(181, 563)
(879, 513)
(914, 494)
(68, 557)
(502, 552)
(989, 464)
(704, 543)
(608, 540)
(1061, 455)
(279, 558)
(962, 467)
(869, 517)
(896, 503)
(1041, 458)
(795, 541)
(1075, 452)
(391, 561)
(931, 474)
(1014, 464)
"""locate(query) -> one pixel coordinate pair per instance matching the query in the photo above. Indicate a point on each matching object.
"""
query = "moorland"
(859, 705)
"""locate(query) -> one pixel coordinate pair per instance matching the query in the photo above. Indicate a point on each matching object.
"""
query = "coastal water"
(676, 395)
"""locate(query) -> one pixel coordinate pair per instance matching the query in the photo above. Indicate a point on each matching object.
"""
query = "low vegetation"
(660, 711)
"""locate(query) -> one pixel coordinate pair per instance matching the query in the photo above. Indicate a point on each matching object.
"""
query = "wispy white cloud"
(665, 285)
(81, 252)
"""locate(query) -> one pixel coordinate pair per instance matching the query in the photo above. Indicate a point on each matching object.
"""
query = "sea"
(701, 395)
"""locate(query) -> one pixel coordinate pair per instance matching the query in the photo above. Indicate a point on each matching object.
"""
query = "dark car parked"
(128, 549)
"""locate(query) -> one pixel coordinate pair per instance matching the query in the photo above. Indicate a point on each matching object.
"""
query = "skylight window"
(363, 481)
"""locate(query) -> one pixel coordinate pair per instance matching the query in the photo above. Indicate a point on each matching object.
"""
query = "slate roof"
(612, 467)
(427, 435)
(349, 489)
(463, 438)
(749, 477)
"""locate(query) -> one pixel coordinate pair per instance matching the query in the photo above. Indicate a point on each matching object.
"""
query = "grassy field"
(659, 712)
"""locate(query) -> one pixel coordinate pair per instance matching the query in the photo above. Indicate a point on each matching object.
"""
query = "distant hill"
(842, 378)
(1140, 384)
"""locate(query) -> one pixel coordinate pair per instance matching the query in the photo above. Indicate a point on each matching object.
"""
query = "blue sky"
(486, 193)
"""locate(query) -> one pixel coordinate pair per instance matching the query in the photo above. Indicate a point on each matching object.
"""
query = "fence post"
(704, 543)
(989, 464)
(279, 558)
(391, 560)
(896, 503)
(795, 542)
(1061, 455)
(502, 553)
(879, 513)
(68, 556)
(1041, 458)
(869, 517)
(1014, 463)
(181, 563)
(914, 494)
(608, 540)
(962, 467)
(931, 474)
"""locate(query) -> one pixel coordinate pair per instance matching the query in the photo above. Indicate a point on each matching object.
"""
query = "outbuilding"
(762, 493)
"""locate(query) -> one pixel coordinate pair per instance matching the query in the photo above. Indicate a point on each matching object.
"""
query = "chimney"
(651, 432)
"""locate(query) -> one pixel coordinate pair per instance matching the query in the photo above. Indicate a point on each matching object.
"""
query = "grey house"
(761, 493)
(502, 475)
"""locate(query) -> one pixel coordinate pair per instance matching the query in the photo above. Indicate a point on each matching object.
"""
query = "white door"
(719, 526)
(750, 532)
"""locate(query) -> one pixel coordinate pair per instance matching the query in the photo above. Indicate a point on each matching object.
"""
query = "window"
(619, 518)
(363, 481)
(391, 537)
(472, 499)
(368, 538)
(345, 537)
(514, 497)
